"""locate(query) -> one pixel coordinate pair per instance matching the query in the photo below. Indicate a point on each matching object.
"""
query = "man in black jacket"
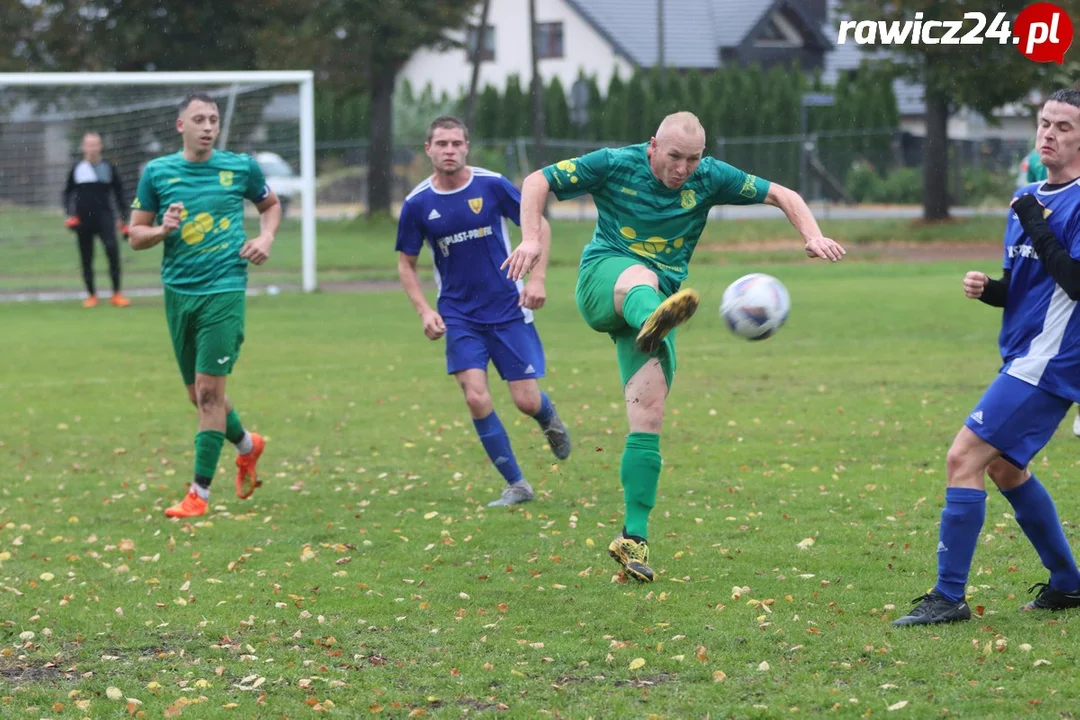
(91, 184)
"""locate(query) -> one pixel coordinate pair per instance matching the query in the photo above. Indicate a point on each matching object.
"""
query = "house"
(602, 36)
(598, 37)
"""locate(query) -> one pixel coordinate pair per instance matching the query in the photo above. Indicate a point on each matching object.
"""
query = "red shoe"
(90, 302)
(191, 506)
(118, 300)
(246, 477)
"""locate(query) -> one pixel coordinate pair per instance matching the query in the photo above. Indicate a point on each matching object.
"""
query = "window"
(549, 39)
(779, 31)
(487, 49)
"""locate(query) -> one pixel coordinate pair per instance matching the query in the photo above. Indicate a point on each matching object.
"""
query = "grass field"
(40, 254)
(367, 577)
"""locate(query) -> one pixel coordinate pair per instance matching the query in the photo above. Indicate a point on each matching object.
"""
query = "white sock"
(245, 446)
(202, 492)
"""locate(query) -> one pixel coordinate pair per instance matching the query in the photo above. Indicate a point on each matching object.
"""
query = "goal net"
(44, 116)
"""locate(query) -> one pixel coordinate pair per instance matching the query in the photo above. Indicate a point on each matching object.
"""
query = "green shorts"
(207, 331)
(595, 296)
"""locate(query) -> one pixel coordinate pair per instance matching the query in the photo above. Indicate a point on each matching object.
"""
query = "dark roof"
(694, 30)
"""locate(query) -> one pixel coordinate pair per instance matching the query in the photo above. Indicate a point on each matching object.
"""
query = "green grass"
(368, 576)
(40, 254)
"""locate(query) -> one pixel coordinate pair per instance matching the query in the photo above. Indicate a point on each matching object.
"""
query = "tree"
(136, 35)
(357, 46)
(615, 116)
(514, 112)
(983, 77)
(488, 106)
(557, 110)
(477, 58)
(595, 128)
(637, 109)
(537, 90)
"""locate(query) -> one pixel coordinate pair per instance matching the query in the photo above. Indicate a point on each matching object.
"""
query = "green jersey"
(202, 257)
(1036, 171)
(640, 217)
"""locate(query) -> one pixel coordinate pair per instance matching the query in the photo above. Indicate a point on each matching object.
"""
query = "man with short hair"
(652, 201)
(193, 202)
(462, 213)
(1035, 388)
(92, 184)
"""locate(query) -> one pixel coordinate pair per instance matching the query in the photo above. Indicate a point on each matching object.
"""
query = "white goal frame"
(304, 79)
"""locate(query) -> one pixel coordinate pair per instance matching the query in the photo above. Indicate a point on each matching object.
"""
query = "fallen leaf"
(114, 693)
(898, 706)
(637, 663)
(719, 676)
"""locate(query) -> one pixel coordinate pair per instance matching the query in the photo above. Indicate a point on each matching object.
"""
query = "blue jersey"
(1040, 329)
(468, 235)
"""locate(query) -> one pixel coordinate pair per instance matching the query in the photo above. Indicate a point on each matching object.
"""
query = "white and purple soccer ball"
(755, 306)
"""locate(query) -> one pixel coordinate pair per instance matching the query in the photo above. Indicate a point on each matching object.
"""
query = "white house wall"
(583, 48)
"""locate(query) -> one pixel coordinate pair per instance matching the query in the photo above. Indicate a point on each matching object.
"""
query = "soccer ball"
(755, 306)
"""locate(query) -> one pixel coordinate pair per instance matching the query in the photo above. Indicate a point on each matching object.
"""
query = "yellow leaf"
(719, 676)
(637, 663)
(898, 706)
(114, 693)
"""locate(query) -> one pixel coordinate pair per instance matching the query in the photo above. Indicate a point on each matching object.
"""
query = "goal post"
(41, 113)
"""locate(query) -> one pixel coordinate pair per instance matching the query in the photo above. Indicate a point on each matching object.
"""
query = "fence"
(870, 166)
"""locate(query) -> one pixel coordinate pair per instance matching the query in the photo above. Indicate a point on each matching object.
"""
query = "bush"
(863, 183)
(901, 186)
(986, 187)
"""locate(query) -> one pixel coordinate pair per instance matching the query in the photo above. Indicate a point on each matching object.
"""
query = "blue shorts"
(1017, 418)
(515, 350)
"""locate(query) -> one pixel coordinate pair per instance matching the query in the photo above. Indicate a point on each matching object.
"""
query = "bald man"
(652, 201)
(91, 185)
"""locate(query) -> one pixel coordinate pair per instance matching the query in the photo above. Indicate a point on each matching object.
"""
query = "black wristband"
(995, 293)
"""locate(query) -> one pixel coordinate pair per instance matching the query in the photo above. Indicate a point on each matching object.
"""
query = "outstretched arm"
(799, 215)
(534, 295)
(534, 193)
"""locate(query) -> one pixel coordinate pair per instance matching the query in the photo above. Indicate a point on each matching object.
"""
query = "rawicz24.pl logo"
(1041, 32)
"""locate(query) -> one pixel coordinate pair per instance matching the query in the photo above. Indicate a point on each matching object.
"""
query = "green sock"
(234, 429)
(639, 304)
(640, 473)
(208, 444)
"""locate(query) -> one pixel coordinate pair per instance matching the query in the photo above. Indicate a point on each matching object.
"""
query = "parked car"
(281, 178)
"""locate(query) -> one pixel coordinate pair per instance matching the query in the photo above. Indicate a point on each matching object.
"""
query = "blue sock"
(961, 522)
(1037, 517)
(497, 443)
(546, 412)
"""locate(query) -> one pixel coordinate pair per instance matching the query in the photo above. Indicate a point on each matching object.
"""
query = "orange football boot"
(246, 477)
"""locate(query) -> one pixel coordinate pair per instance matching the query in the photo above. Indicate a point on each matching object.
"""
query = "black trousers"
(105, 228)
